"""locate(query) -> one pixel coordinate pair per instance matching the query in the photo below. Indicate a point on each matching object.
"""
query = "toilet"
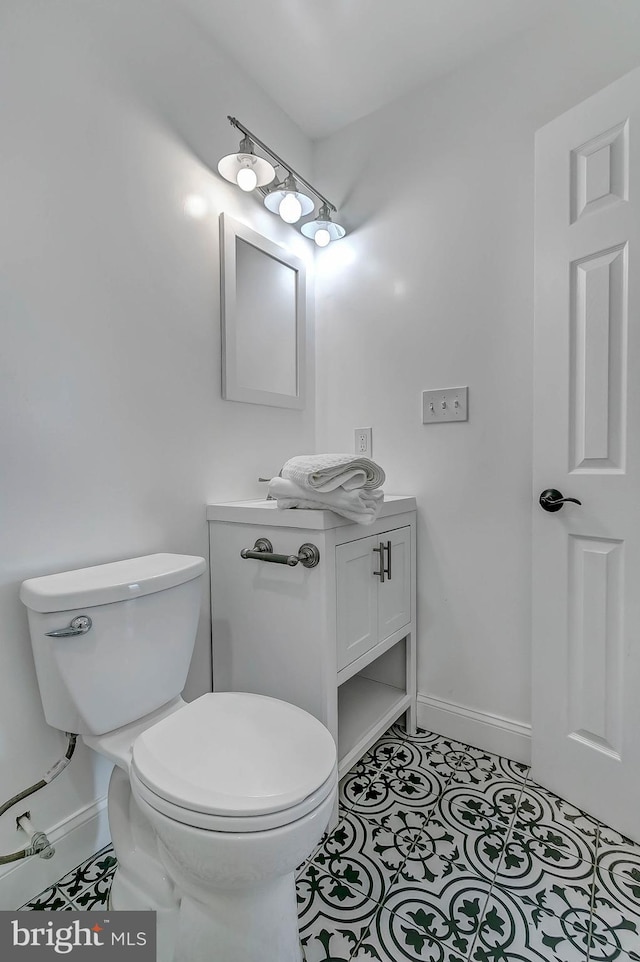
(213, 803)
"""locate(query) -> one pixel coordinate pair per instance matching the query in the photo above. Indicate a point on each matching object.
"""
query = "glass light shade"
(233, 164)
(274, 201)
(323, 230)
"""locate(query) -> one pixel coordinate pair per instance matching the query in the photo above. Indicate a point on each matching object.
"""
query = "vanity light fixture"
(282, 192)
(245, 169)
(322, 230)
(289, 201)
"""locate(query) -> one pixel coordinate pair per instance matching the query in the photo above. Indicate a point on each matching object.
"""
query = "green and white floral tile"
(388, 841)
(328, 943)
(328, 902)
(543, 894)
(512, 770)
(571, 902)
(619, 855)
(300, 868)
(600, 950)
(399, 786)
(619, 872)
(516, 929)
(355, 783)
(479, 806)
(364, 854)
(444, 848)
(434, 854)
(474, 766)
(417, 773)
(96, 896)
(386, 747)
(432, 922)
(382, 753)
(51, 900)
(393, 940)
(409, 755)
(527, 861)
(538, 806)
(467, 764)
(62, 895)
(417, 850)
(610, 838)
(395, 834)
(546, 835)
(86, 874)
(615, 915)
(436, 755)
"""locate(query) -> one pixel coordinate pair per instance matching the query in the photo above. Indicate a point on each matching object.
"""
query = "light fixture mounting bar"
(281, 162)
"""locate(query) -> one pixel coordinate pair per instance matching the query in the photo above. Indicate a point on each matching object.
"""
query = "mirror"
(263, 319)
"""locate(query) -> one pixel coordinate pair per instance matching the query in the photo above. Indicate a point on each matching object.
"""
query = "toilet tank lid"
(104, 584)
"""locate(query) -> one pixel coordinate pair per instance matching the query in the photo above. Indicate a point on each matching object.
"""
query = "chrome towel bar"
(308, 555)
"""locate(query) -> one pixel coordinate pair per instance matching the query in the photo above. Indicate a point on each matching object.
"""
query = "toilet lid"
(235, 753)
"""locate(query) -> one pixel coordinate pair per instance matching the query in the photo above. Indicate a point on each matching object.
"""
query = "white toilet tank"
(135, 656)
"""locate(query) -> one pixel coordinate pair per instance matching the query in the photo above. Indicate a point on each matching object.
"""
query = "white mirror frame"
(233, 388)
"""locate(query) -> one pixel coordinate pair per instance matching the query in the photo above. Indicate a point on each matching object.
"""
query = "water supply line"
(39, 843)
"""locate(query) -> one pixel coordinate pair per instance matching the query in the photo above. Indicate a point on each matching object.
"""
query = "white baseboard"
(75, 839)
(492, 733)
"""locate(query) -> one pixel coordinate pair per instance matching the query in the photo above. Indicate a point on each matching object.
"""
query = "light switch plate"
(448, 404)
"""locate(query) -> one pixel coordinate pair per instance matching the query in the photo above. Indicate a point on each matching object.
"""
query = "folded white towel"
(326, 472)
(358, 505)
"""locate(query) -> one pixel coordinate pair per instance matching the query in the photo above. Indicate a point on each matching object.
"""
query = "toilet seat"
(230, 823)
(235, 761)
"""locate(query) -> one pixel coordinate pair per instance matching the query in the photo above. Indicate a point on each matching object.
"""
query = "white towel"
(326, 472)
(357, 505)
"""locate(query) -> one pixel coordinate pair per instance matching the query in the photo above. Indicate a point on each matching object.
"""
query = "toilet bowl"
(228, 786)
(212, 804)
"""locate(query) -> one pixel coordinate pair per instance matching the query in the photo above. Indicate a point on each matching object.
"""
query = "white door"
(586, 559)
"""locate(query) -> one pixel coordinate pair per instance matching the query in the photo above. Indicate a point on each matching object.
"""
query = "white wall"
(434, 288)
(114, 433)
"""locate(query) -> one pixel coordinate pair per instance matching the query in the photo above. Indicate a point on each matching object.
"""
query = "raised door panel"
(394, 595)
(356, 597)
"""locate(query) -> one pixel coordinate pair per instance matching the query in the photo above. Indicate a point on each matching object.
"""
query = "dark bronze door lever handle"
(552, 500)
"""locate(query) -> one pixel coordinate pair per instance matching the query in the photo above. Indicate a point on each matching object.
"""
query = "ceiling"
(329, 62)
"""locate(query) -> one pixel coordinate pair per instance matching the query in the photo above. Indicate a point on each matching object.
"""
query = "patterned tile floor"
(444, 853)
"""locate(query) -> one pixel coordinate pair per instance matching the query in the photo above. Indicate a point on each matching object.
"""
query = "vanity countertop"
(266, 512)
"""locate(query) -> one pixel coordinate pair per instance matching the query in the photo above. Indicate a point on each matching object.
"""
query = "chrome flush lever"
(78, 626)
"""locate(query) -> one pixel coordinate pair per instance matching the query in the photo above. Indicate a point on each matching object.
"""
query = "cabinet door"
(357, 599)
(394, 596)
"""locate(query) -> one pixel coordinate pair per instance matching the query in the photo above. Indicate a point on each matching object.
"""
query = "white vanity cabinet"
(338, 639)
